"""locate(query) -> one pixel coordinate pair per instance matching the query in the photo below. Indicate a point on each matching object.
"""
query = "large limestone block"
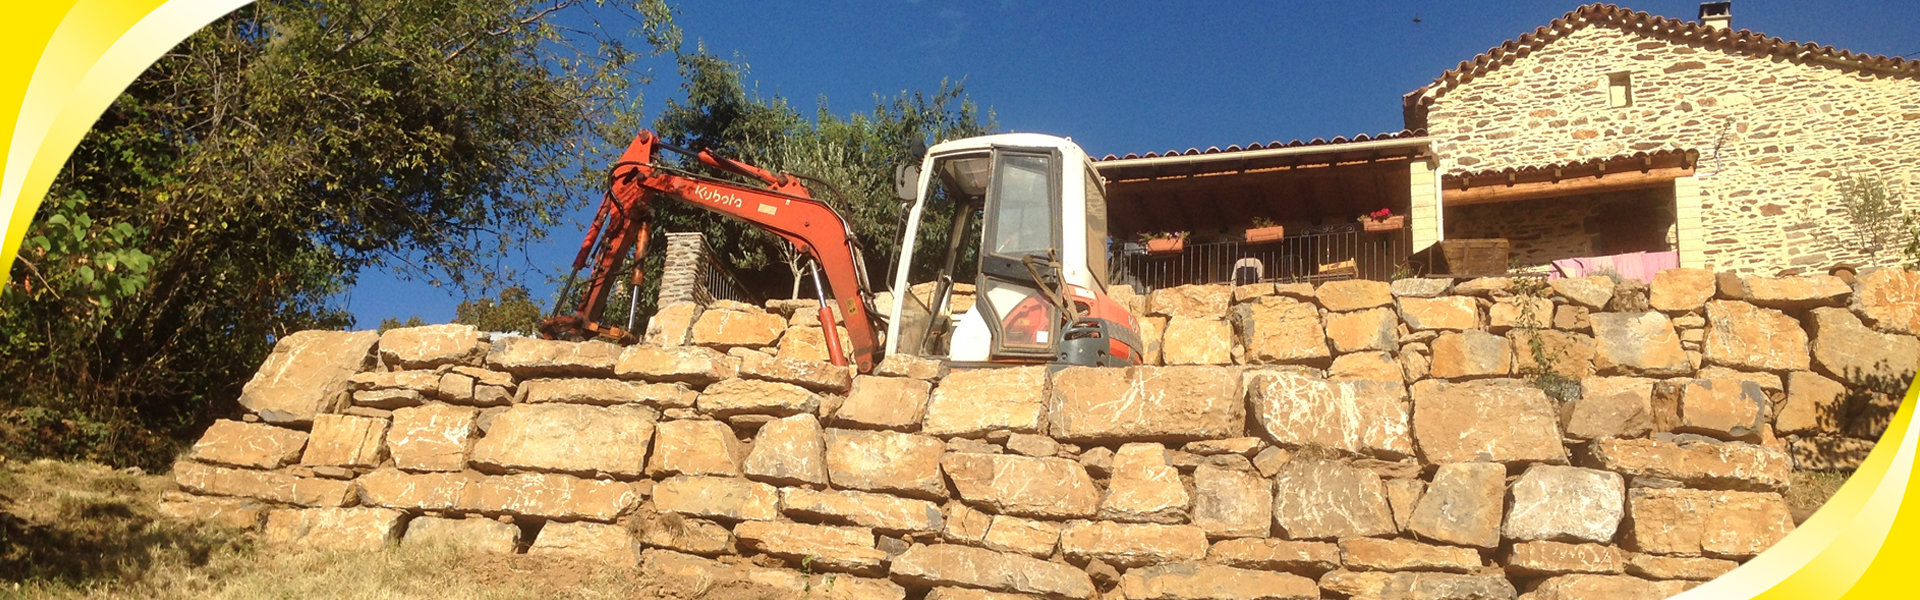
(1531, 312)
(1744, 336)
(886, 461)
(1592, 292)
(272, 486)
(1890, 300)
(432, 437)
(470, 535)
(819, 376)
(307, 375)
(1533, 559)
(964, 525)
(1565, 504)
(1047, 488)
(1360, 417)
(1681, 290)
(1367, 366)
(1637, 344)
(394, 488)
(1566, 354)
(422, 381)
(896, 403)
(1374, 554)
(1153, 335)
(883, 513)
(235, 513)
(956, 565)
(255, 445)
(1719, 524)
(728, 498)
(606, 392)
(1462, 505)
(1359, 331)
(1093, 405)
(1144, 488)
(752, 397)
(1269, 554)
(1190, 581)
(1132, 544)
(1193, 341)
(672, 324)
(1354, 294)
(1446, 312)
(789, 451)
(568, 438)
(349, 529)
(1610, 407)
(1275, 330)
(527, 358)
(1678, 567)
(695, 447)
(550, 495)
(1724, 465)
(1470, 354)
(809, 343)
(911, 367)
(1846, 350)
(681, 533)
(1198, 301)
(431, 346)
(1813, 404)
(1320, 499)
(1603, 587)
(1497, 420)
(726, 329)
(1798, 292)
(692, 365)
(972, 403)
(1230, 503)
(1026, 536)
(825, 547)
(1377, 584)
(1723, 408)
(593, 541)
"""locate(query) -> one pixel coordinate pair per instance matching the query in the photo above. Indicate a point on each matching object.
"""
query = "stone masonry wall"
(1356, 439)
(1544, 230)
(1774, 135)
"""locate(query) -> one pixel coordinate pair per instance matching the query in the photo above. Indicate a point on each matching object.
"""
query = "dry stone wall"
(1492, 438)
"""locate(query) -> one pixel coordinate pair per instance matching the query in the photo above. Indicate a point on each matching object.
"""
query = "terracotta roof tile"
(1643, 23)
(1585, 167)
(1390, 135)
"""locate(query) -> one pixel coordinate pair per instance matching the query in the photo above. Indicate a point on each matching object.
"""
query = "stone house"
(1604, 132)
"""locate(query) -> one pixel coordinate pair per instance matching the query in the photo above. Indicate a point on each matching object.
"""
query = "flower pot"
(1393, 223)
(1262, 235)
(1166, 245)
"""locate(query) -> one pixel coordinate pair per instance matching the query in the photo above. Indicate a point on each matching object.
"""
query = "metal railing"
(1343, 252)
(719, 283)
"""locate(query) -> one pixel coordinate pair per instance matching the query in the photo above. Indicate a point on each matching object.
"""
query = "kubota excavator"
(1039, 274)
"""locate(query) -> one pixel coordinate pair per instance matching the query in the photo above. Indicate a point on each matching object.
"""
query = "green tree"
(512, 312)
(396, 323)
(249, 174)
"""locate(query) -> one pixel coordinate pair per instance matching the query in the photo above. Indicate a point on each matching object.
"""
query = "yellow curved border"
(63, 62)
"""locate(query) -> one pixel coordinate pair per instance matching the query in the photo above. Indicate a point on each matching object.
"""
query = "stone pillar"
(1689, 240)
(683, 275)
(1423, 180)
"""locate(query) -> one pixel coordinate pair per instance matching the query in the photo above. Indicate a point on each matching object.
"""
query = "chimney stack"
(1717, 14)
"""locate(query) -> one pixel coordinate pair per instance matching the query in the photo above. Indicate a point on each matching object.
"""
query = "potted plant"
(1382, 220)
(1264, 230)
(1165, 242)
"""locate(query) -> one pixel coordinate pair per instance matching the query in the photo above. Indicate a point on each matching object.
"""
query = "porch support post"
(1423, 181)
(1689, 240)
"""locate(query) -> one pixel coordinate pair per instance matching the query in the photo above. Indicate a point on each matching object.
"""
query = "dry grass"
(1810, 489)
(76, 530)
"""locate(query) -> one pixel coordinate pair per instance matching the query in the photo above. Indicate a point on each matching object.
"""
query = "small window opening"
(1620, 90)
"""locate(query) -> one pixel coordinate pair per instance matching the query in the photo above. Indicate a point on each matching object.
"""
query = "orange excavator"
(1041, 248)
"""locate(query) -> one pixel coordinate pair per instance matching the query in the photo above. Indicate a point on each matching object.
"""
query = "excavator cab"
(1021, 219)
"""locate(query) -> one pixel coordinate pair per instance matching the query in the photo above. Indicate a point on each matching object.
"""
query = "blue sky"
(1122, 77)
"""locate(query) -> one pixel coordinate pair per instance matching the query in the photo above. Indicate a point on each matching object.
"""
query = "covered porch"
(1621, 214)
(1225, 203)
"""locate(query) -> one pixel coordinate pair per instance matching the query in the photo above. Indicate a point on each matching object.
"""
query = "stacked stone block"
(1354, 439)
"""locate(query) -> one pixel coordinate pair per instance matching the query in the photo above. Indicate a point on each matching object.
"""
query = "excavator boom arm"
(785, 207)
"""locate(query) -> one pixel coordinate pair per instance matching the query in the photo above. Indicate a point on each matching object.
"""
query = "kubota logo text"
(717, 196)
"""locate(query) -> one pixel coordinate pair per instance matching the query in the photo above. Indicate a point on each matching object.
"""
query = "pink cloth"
(1632, 265)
